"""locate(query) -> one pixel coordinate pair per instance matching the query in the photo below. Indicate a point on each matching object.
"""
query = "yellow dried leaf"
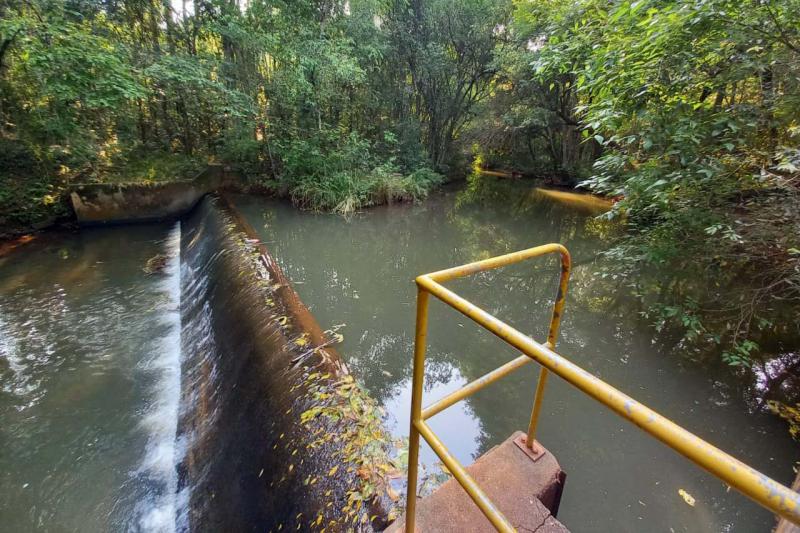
(688, 498)
(302, 341)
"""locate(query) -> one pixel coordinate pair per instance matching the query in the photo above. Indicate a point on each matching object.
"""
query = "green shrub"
(342, 173)
(29, 194)
(246, 154)
(143, 166)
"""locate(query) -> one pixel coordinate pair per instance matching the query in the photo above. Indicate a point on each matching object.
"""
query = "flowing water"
(155, 379)
(122, 410)
(147, 385)
(359, 271)
(89, 382)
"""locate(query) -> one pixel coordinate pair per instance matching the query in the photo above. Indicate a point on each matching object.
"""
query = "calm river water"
(359, 271)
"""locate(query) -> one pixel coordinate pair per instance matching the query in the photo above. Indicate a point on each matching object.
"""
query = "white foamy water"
(10, 353)
(162, 509)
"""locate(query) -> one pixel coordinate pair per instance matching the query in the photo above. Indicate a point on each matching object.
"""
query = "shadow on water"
(359, 272)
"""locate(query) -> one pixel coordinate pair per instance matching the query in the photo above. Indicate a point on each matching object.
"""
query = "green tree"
(444, 64)
(696, 104)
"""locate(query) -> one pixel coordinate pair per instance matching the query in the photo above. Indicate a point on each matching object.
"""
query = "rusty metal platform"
(526, 491)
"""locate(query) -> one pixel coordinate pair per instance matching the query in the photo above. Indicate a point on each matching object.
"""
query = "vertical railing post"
(552, 336)
(416, 405)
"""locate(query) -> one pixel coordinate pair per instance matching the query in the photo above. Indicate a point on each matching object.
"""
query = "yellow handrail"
(776, 497)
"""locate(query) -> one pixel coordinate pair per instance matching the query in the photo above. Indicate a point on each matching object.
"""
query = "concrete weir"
(277, 435)
(104, 203)
(274, 434)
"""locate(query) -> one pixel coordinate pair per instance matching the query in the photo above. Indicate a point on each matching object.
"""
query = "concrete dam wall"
(276, 434)
(103, 203)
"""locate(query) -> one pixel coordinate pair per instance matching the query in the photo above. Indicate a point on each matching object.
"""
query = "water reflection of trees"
(528, 217)
(376, 254)
(489, 208)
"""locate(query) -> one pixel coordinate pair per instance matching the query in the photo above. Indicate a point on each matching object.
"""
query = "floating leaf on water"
(688, 498)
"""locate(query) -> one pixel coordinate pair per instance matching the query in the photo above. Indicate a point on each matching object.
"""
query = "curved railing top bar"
(769, 493)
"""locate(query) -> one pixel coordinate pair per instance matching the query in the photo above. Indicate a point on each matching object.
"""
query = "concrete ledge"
(102, 203)
(527, 492)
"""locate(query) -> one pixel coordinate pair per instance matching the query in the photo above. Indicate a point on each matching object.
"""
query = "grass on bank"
(334, 171)
(345, 193)
(326, 171)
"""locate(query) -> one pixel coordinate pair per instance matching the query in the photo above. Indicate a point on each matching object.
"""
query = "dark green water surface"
(359, 272)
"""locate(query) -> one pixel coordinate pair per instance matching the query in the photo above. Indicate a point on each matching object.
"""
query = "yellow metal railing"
(776, 497)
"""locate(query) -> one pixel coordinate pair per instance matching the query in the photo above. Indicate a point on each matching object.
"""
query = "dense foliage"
(687, 112)
(337, 103)
(698, 106)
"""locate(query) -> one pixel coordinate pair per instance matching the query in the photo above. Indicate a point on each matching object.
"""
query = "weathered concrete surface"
(102, 203)
(526, 492)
